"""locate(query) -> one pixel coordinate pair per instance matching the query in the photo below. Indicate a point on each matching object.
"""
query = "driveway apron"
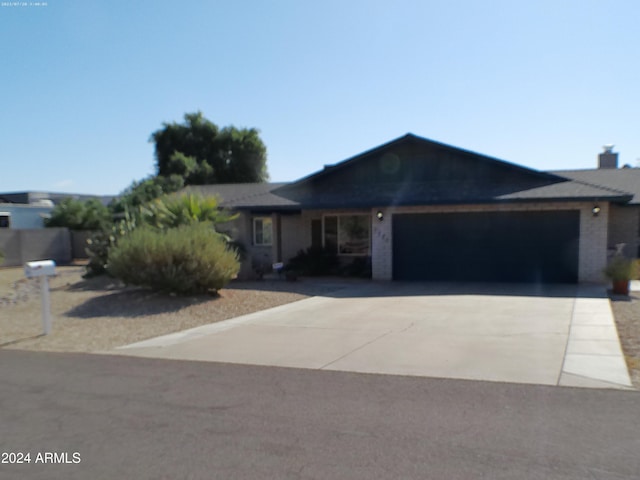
(550, 335)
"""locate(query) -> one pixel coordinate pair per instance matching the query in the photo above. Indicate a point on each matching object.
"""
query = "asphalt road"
(136, 418)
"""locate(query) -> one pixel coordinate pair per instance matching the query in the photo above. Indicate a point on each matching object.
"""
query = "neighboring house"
(18, 216)
(27, 210)
(23, 236)
(33, 198)
(422, 210)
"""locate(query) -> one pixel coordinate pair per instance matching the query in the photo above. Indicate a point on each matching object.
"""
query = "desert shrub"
(101, 241)
(163, 213)
(97, 251)
(188, 259)
(314, 261)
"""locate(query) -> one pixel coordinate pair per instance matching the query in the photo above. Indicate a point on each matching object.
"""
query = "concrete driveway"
(550, 335)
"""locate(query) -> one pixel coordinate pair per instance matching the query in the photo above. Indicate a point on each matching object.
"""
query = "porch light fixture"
(380, 215)
(595, 210)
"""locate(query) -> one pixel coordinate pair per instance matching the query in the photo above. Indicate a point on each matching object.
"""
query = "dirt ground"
(626, 311)
(99, 314)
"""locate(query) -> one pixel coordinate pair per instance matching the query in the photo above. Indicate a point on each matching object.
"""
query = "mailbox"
(41, 268)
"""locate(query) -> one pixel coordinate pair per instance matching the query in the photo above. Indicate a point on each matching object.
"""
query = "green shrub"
(145, 190)
(358, 267)
(170, 211)
(100, 242)
(79, 215)
(97, 251)
(188, 259)
(1, 257)
(165, 212)
(314, 261)
(621, 268)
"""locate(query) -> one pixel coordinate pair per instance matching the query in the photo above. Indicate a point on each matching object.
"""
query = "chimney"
(608, 159)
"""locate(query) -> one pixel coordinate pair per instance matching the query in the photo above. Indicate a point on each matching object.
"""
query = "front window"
(262, 231)
(347, 234)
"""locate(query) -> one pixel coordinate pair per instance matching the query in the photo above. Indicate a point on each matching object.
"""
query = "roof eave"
(477, 201)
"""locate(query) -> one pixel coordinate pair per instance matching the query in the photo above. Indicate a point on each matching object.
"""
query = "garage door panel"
(486, 246)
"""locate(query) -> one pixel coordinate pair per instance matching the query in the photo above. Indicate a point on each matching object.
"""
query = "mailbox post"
(43, 269)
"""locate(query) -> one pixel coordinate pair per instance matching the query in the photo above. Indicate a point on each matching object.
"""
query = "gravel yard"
(626, 311)
(99, 314)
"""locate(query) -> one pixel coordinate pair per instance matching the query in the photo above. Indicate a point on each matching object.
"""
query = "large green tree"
(202, 153)
(79, 215)
(143, 191)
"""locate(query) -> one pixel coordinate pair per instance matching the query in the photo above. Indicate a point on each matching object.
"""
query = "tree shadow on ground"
(135, 303)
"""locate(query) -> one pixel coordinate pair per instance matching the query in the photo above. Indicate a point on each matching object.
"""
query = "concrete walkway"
(551, 335)
(594, 357)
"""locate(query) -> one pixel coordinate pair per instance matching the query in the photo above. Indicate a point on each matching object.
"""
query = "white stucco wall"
(25, 216)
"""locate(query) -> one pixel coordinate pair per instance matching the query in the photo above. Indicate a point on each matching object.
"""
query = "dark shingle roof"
(622, 179)
(570, 190)
(438, 193)
(245, 195)
(616, 185)
(269, 196)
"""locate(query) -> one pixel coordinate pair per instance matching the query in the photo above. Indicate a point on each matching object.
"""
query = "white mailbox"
(41, 268)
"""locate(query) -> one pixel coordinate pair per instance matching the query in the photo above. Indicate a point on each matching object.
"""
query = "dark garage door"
(491, 246)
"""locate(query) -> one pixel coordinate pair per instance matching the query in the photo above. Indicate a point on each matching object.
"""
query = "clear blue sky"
(83, 84)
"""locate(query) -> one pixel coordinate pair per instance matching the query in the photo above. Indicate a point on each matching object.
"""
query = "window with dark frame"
(262, 231)
(347, 234)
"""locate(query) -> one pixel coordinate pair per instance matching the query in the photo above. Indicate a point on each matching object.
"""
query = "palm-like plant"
(173, 211)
